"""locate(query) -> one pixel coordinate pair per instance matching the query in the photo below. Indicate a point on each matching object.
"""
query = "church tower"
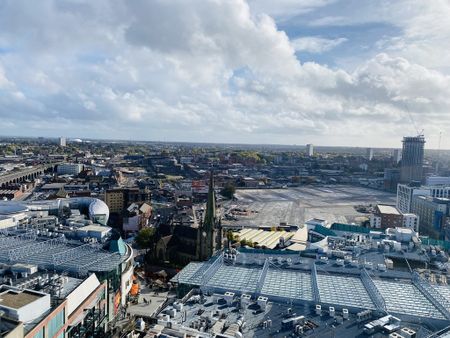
(209, 233)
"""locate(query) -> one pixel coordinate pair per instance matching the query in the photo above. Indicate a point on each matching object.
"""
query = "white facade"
(94, 231)
(127, 275)
(28, 312)
(62, 142)
(310, 149)
(375, 221)
(397, 155)
(369, 154)
(81, 293)
(438, 180)
(69, 169)
(411, 221)
(7, 222)
(405, 194)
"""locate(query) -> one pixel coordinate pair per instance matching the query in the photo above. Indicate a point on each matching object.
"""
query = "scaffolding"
(442, 304)
(315, 284)
(373, 291)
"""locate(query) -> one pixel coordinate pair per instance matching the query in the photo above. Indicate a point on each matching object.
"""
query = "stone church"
(194, 234)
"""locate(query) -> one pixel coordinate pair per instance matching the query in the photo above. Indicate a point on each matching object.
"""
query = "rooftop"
(17, 299)
(298, 280)
(263, 238)
(388, 209)
(56, 253)
(11, 207)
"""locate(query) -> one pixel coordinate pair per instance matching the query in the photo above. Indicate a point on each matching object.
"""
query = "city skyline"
(75, 139)
(295, 73)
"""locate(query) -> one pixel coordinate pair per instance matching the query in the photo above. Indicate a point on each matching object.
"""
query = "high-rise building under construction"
(412, 159)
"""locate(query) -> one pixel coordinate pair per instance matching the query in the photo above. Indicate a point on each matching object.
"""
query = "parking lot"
(335, 203)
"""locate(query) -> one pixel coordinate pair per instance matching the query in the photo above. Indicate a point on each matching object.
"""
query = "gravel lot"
(296, 205)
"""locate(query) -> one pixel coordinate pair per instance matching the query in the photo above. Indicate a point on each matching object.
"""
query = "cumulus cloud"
(312, 44)
(197, 70)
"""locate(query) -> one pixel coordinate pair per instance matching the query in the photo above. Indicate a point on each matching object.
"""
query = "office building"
(69, 169)
(62, 142)
(309, 149)
(397, 155)
(369, 154)
(118, 200)
(114, 199)
(437, 180)
(405, 193)
(434, 214)
(391, 178)
(412, 159)
(411, 221)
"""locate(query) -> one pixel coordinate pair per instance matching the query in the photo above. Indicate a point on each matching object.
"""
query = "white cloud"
(282, 9)
(198, 70)
(312, 44)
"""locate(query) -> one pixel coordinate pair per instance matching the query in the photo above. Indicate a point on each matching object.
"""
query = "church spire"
(210, 216)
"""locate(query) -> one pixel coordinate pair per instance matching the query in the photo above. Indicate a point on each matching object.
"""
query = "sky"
(327, 72)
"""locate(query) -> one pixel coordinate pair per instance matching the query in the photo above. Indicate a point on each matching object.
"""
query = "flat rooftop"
(285, 278)
(17, 299)
(388, 209)
(219, 318)
(56, 253)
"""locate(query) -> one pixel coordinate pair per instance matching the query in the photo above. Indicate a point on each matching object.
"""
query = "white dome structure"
(98, 211)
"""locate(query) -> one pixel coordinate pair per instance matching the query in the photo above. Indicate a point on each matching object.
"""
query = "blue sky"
(328, 72)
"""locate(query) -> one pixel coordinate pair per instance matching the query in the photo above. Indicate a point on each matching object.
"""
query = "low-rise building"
(386, 216)
(411, 221)
(69, 168)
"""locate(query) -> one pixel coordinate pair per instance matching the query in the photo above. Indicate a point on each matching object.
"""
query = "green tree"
(228, 190)
(145, 239)
(230, 236)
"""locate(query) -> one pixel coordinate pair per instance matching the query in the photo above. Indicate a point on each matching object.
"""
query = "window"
(56, 323)
(40, 334)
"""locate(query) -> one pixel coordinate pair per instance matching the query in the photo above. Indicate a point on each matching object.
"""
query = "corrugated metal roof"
(268, 239)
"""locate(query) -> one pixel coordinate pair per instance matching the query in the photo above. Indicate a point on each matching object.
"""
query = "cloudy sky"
(328, 72)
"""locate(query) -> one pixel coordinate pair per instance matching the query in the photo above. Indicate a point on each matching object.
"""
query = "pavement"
(148, 303)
